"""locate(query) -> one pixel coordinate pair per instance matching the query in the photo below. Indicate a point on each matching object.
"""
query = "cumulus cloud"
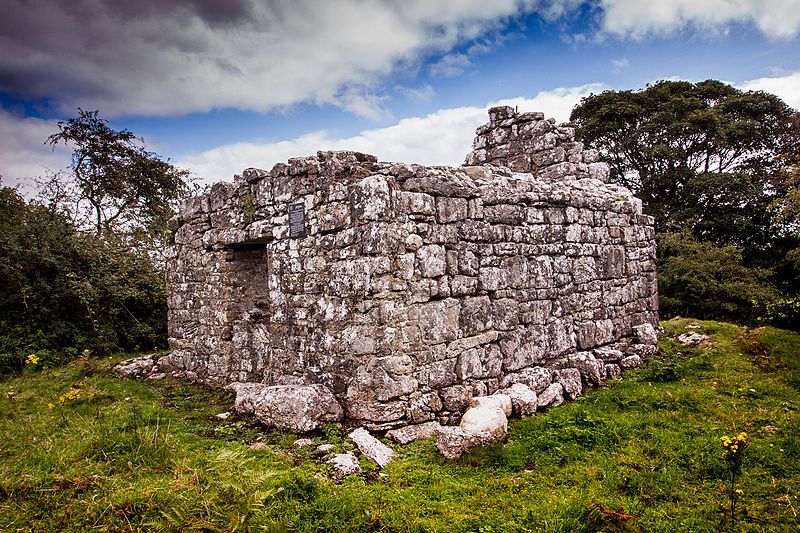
(23, 154)
(149, 57)
(787, 87)
(441, 138)
(634, 18)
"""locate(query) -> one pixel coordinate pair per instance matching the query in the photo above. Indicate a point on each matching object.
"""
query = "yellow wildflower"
(32, 359)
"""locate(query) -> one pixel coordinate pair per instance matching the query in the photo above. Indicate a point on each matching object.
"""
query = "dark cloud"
(161, 57)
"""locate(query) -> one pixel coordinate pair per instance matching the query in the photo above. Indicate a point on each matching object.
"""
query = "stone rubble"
(692, 339)
(411, 433)
(295, 408)
(371, 447)
(345, 463)
(394, 294)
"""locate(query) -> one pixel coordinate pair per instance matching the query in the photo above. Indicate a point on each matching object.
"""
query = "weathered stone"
(523, 399)
(345, 463)
(646, 334)
(537, 378)
(499, 400)
(570, 380)
(552, 396)
(297, 408)
(692, 339)
(452, 442)
(632, 361)
(489, 419)
(404, 290)
(407, 434)
(372, 447)
(592, 370)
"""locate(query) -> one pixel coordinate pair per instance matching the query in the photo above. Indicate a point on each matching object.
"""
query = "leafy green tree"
(122, 185)
(718, 169)
(704, 156)
(66, 290)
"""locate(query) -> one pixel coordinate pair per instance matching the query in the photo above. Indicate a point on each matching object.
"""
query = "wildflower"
(71, 395)
(50, 405)
(32, 360)
(739, 492)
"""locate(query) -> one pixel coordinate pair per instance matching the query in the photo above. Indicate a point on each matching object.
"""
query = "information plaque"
(297, 221)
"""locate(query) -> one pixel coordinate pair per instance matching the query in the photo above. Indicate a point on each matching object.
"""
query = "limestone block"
(345, 463)
(411, 433)
(503, 401)
(485, 419)
(372, 447)
(296, 408)
(537, 378)
(570, 380)
(431, 260)
(451, 209)
(524, 401)
(552, 396)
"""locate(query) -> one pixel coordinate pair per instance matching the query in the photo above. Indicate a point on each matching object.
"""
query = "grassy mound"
(82, 450)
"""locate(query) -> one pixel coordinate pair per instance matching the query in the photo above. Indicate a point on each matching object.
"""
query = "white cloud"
(417, 94)
(441, 138)
(149, 57)
(450, 66)
(23, 154)
(636, 18)
(787, 87)
(620, 64)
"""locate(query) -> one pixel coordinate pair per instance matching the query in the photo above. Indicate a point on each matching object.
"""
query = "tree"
(718, 169)
(66, 290)
(702, 156)
(124, 185)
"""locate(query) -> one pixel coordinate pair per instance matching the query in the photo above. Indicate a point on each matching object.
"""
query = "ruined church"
(387, 294)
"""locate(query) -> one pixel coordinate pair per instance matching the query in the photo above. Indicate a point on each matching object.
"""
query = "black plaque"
(297, 221)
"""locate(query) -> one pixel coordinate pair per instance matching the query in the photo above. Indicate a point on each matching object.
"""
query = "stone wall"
(408, 289)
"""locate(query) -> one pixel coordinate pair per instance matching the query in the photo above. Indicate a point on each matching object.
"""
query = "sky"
(217, 86)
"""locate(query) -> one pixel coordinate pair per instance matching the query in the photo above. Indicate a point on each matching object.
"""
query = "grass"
(639, 454)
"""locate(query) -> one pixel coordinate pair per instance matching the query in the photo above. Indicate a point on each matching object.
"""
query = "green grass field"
(639, 454)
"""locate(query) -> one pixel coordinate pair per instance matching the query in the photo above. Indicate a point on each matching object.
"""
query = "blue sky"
(221, 85)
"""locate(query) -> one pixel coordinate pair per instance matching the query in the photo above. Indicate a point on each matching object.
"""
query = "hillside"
(640, 454)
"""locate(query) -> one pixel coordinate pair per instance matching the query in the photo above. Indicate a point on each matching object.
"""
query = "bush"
(710, 281)
(65, 290)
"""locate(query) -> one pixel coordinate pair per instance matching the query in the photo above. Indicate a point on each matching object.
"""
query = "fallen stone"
(524, 401)
(590, 368)
(325, 448)
(500, 400)
(223, 416)
(646, 334)
(137, 368)
(552, 396)
(258, 447)
(485, 419)
(407, 434)
(692, 339)
(295, 408)
(302, 443)
(570, 380)
(613, 371)
(372, 447)
(344, 463)
(632, 361)
(453, 441)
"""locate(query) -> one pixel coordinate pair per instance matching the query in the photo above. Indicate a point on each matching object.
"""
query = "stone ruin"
(338, 287)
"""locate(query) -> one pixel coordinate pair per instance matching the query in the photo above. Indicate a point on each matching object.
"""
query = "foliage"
(124, 185)
(702, 279)
(145, 456)
(66, 290)
(701, 155)
(718, 169)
